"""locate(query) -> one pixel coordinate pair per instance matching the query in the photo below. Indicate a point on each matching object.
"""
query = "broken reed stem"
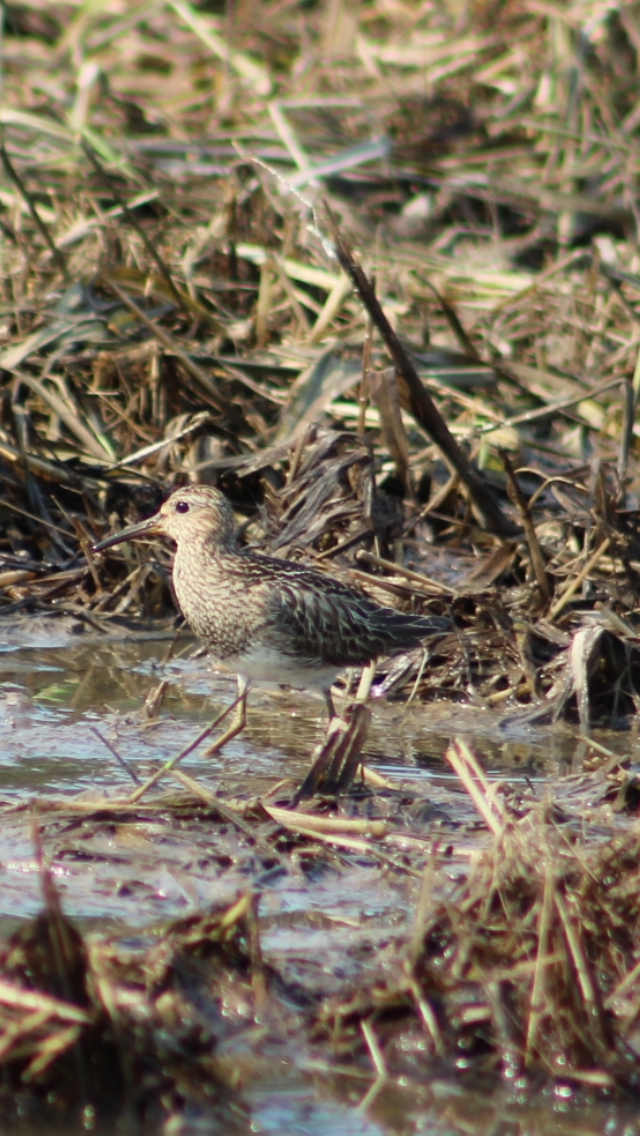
(169, 765)
(590, 994)
(533, 544)
(418, 399)
(375, 1051)
(294, 820)
(537, 1007)
(577, 582)
(367, 348)
(464, 764)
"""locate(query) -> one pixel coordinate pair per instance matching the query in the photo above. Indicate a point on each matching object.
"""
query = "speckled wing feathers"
(318, 620)
(232, 601)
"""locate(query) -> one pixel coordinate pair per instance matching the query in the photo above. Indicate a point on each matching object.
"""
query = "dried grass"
(521, 961)
(163, 291)
(169, 314)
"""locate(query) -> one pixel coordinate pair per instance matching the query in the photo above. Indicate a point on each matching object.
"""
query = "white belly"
(259, 664)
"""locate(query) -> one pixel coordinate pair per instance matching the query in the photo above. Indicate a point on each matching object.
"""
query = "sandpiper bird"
(269, 619)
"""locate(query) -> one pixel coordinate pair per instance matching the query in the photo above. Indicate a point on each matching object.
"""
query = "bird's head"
(191, 514)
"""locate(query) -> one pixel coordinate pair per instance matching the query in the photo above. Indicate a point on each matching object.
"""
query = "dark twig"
(535, 552)
(414, 395)
(121, 761)
(133, 221)
(336, 760)
(22, 189)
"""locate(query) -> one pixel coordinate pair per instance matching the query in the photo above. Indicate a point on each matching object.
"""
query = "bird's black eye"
(182, 507)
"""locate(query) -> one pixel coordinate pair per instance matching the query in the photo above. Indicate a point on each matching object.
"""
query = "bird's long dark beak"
(150, 527)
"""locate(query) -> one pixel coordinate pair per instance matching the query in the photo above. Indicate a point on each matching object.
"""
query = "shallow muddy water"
(59, 691)
(56, 692)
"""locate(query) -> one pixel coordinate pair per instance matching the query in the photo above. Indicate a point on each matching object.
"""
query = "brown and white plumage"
(269, 619)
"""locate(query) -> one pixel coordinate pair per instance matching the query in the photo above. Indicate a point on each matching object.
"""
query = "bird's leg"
(241, 710)
(239, 719)
(364, 687)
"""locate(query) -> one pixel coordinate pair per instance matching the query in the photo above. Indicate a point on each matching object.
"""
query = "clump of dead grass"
(171, 313)
(107, 1034)
(527, 967)
(520, 962)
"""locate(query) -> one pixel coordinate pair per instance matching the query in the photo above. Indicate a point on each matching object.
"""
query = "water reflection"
(49, 698)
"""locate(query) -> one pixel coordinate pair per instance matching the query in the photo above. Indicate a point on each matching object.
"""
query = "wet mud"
(332, 914)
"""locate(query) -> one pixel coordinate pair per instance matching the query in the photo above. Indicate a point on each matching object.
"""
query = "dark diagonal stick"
(415, 397)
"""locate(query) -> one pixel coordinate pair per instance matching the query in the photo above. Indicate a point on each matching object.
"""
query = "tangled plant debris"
(466, 443)
(519, 959)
